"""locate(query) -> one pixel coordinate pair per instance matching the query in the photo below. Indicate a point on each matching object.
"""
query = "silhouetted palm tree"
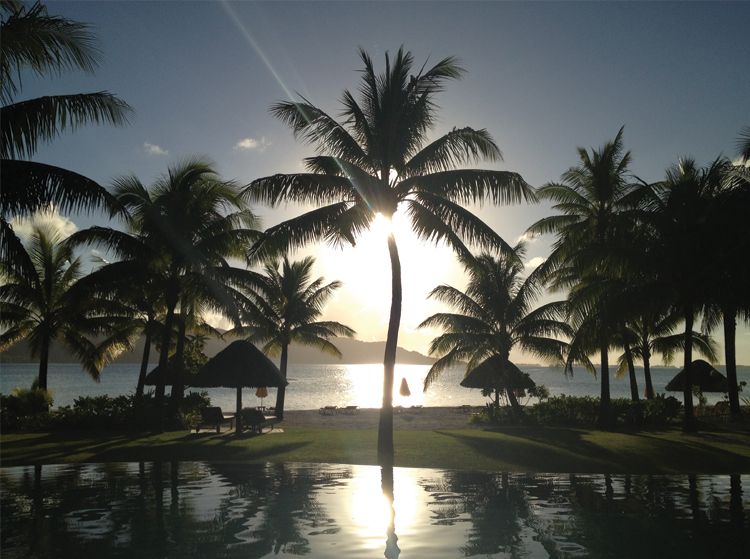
(591, 199)
(378, 161)
(182, 231)
(730, 282)
(33, 41)
(685, 250)
(285, 309)
(494, 316)
(51, 306)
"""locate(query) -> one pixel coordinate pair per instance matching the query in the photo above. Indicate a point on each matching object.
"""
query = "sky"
(542, 78)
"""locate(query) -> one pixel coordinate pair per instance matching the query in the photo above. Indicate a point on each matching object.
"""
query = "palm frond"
(25, 124)
(29, 187)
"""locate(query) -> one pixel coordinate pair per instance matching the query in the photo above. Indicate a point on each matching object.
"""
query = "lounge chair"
(213, 417)
(328, 409)
(254, 420)
(351, 409)
(417, 408)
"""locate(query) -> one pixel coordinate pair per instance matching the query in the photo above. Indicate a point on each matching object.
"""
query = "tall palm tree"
(52, 306)
(182, 231)
(33, 40)
(284, 309)
(377, 161)
(494, 316)
(685, 247)
(730, 282)
(592, 199)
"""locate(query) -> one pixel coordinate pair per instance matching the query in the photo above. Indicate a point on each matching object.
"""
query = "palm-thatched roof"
(702, 375)
(240, 365)
(498, 373)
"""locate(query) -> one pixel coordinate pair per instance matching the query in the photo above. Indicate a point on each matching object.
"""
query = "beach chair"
(328, 409)
(255, 420)
(213, 417)
(351, 409)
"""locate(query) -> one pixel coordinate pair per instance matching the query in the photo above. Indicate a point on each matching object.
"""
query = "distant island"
(355, 352)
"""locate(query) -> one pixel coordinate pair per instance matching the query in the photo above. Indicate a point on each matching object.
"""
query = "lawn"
(553, 450)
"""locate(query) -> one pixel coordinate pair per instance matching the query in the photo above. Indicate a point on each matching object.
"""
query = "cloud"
(23, 226)
(534, 262)
(528, 238)
(151, 149)
(252, 144)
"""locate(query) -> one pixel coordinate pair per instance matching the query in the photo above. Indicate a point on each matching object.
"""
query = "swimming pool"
(198, 509)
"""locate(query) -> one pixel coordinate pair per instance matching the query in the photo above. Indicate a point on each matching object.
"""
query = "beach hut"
(702, 375)
(240, 365)
(500, 375)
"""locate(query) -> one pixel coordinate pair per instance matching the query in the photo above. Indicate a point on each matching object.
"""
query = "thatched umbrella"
(702, 375)
(150, 380)
(499, 374)
(404, 389)
(239, 365)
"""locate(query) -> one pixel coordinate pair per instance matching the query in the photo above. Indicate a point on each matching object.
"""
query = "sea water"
(191, 510)
(315, 386)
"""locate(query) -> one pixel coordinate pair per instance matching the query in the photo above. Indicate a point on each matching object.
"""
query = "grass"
(552, 450)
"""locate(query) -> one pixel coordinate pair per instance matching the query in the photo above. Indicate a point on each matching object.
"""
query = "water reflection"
(196, 509)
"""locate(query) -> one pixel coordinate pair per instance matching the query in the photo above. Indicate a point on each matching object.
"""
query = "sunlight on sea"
(315, 386)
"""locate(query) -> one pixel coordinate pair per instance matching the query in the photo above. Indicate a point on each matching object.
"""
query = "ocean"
(315, 386)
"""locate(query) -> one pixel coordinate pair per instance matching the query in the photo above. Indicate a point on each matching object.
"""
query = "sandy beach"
(424, 419)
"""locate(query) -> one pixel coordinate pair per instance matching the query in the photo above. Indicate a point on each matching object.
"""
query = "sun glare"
(381, 225)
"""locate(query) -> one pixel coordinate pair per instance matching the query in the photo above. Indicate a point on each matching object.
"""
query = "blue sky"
(543, 78)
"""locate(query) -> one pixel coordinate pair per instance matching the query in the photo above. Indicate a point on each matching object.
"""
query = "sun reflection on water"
(364, 385)
(370, 509)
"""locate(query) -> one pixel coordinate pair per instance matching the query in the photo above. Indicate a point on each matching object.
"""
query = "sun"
(381, 226)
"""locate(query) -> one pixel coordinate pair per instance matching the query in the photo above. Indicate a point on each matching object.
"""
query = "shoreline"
(433, 418)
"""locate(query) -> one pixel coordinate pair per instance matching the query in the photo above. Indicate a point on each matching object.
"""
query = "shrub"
(121, 413)
(26, 409)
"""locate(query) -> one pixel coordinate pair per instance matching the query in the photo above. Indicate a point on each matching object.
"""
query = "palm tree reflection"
(391, 543)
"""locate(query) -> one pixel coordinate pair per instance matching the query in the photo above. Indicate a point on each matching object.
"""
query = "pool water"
(198, 509)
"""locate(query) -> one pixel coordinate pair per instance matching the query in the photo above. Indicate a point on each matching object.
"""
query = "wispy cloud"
(23, 226)
(528, 238)
(152, 149)
(534, 262)
(253, 144)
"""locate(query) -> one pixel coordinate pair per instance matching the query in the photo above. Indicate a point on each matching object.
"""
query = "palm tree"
(43, 44)
(52, 306)
(743, 145)
(284, 309)
(494, 316)
(653, 333)
(378, 161)
(182, 231)
(730, 293)
(592, 198)
(685, 247)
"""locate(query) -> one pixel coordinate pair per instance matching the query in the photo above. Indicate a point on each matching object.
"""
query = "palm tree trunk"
(631, 371)
(44, 364)
(646, 353)
(605, 403)
(158, 427)
(730, 331)
(144, 366)
(178, 388)
(281, 392)
(515, 406)
(385, 428)
(690, 425)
